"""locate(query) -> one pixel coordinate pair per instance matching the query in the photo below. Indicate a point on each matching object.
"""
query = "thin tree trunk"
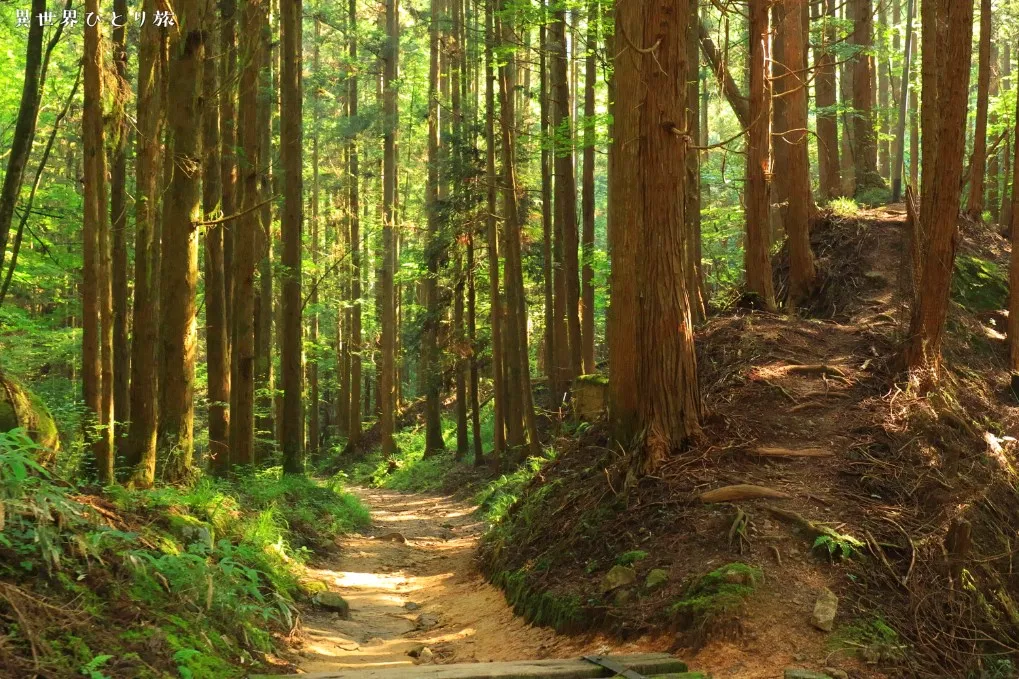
(216, 329)
(228, 154)
(179, 275)
(492, 230)
(390, 128)
(1013, 269)
(824, 96)
(978, 161)
(904, 98)
(24, 126)
(565, 213)
(118, 220)
(864, 139)
(692, 210)
(587, 207)
(740, 105)
(314, 424)
(1006, 85)
(266, 402)
(141, 440)
(993, 161)
(757, 262)
(246, 229)
(95, 293)
(551, 330)
(292, 424)
(354, 426)
(883, 87)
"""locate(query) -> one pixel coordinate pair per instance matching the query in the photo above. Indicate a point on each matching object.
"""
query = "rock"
(735, 576)
(426, 656)
(825, 607)
(392, 537)
(415, 651)
(331, 601)
(411, 606)
(426, 621)
(191, 529)
(835, 673)
(794, 673)
(618, 576)
(622, 597)
(656, 578)
(19, 407)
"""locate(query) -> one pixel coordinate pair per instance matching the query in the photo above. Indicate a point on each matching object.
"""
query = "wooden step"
(648, 664)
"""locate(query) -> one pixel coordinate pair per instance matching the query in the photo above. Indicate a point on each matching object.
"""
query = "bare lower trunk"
(978, 161)
(824, 95)
(354, 415)
(118, 222)
(391, 125)
(587, 207)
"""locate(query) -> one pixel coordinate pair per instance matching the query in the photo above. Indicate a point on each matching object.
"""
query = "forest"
(369, 338)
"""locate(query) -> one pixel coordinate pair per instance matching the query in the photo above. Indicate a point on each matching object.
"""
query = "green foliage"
(979, 284)
(873, 639)
(836, 546)
(846, 208)
(502, 493)
(873, 197)
(560, 612)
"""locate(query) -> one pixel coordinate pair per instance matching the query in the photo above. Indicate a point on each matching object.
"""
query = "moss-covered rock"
(19, 407)
(590, 395)
(190, 529)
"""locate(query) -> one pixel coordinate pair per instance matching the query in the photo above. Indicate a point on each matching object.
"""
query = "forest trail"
(424, 591)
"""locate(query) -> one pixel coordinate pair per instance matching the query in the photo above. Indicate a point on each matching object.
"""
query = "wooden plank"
(647, 663)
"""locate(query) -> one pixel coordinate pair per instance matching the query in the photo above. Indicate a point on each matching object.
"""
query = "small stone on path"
(332, 601)
(823, 617)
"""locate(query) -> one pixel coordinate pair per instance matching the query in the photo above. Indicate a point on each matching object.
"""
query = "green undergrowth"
(716, 596)
(195, 582)
(562, 612)
(979, 284)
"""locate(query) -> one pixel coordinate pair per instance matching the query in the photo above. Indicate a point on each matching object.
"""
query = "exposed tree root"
(791, 452)
(740, 491)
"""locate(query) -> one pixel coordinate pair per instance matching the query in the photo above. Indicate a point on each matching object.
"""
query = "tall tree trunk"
(25, 124)
(391, 126)
(864, 138)
(228, 152)
(179, 275)
(847, 152)
(978, 161)
(883, 87)
(791, 90)
(246, 229)
(95, 284)
(740, 105)
(939, 209)
(141, 440)
(1013, 269)
(492, 231)
(548, 264)
(757, 261)
(118, 221)
(462, 348)
(824, 96)
(994, 160)
(692, 210)
(354, 426)
(900, 131)
(587, 207)
(430, 366)
(565, 213)
(216, 329)
(292, 424)
(1006, 85)
(265, 316)
(651, 88)
(314, 424)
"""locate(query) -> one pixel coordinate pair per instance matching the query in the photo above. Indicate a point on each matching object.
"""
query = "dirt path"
(425, 591)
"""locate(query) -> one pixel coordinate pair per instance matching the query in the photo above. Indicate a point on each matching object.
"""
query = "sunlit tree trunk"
(390, 128)
(651, 88)
(824, 96)
(692, 210)
(587, 206)
(95, 281)
(883, 87)
(978, 161)
(141, 440)
(228, 143)
(864, 137)
(179, 275)
(354, 197)
(246, 228)
(994, 159)
(939, 209)
(492, 231)
(907, 94)
(314, 423)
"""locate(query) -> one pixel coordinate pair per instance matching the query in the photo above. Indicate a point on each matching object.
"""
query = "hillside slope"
(902, 505)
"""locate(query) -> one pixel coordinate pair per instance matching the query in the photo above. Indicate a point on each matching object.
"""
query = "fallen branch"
(791, 452)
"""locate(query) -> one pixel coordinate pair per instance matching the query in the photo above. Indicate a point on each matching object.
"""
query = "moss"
(631, 557)
(563, 613)
(595, 379)
(19, 407)
(717, 595)
(979, 284)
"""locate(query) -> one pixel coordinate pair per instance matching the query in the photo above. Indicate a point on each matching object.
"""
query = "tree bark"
(655, 107)
(246, 229)
(740, 105)
(390, 128)
(354, 197)
(548, 256)
(900, 132)
(978, 161)
(569, 347)
(118, 220)
(587, 206)
(314, 423)
(757, 261)
(883, 87)
(791, 90)
(216, 329)
(95, 284)
(939, 209)
(864, 138)
(692, 188)
(228, 154)
(179, 275)
(994, 160)
(141, 440)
